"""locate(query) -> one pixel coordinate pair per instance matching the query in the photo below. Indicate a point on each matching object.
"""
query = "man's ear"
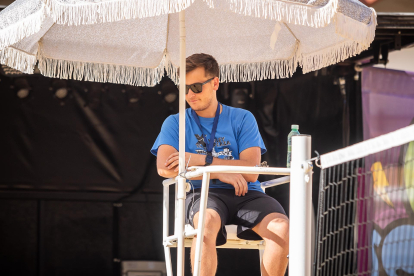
(216, 82)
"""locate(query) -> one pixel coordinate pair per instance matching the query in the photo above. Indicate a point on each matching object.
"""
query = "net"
(366, 208)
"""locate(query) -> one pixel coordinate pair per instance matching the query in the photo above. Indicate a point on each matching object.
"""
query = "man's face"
(201, 101)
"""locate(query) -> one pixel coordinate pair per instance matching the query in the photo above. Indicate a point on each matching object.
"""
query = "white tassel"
(331, 55)
(285, 11)
(24, 28)
(355, 30)
(111, 11)
(112, 73)
(245, 72)
(360, 35)
(18, 60)
(249, 71)
(172, 71)
(258, 71)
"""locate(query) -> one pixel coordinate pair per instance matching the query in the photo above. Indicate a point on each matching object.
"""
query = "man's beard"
(202, 108)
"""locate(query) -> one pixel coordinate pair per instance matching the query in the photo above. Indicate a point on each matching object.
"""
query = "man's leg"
(209, 254)
(274, 229)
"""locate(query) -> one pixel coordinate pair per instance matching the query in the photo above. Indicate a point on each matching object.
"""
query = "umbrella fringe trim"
(246, 72)
(285, 11)
(88, 71)
(20, 30)
(331, 55)
(111, 11)
(172, 71)
(258, 71)
(355, 30)
(18, 60)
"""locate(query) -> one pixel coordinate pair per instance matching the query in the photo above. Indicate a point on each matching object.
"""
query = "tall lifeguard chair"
(300, 178)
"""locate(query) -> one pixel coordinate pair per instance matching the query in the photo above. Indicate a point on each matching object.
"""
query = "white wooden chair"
(300, 177)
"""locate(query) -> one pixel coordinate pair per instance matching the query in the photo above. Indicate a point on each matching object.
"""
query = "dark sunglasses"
(196, 87)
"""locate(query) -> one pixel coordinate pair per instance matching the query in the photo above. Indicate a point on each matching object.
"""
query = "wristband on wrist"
(209, 159)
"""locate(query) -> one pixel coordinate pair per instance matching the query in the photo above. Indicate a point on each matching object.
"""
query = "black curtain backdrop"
(79, 188)
(73, 147)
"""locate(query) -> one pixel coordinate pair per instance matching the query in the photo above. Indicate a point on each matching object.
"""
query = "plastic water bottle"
(295, 131)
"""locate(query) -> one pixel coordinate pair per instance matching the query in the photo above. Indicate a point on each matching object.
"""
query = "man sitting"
(217, 134)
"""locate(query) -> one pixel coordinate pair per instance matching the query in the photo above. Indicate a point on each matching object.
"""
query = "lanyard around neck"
(213, 131)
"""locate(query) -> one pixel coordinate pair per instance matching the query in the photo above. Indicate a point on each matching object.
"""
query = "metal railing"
(300, 177)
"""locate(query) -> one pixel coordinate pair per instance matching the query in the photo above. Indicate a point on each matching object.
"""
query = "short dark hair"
(206, 61)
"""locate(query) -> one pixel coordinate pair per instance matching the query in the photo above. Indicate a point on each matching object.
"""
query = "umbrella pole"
(181, 158)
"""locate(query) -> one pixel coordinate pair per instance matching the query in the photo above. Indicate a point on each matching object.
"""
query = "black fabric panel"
(75, 146)
(230, 262)
(81, 147)
(53, 148)
(313, 101)
(238, 262)
(140, 231)
(18, 237)
(153, 183)
(77, 238)
(355, 108)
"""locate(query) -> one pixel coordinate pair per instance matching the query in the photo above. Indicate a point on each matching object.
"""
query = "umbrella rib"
(291, 32)
(47, 31)
(168, 27)
(39, 43)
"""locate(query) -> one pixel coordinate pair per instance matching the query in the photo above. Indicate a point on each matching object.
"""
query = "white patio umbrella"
(133, 41)
(136, 41)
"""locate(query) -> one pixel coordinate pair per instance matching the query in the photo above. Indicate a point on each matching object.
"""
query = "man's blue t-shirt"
(236, 131)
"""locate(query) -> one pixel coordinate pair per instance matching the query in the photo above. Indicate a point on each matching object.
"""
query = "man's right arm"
(236, 180)
(164, 151)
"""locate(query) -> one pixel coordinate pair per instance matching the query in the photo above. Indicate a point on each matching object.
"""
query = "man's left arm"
(249, 157)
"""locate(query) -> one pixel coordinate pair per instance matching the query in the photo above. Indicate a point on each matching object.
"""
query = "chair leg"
(168, 263)
(201, 220)
(165, 226)
(261, 251)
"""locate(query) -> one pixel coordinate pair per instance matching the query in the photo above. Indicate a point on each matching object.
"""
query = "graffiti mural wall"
(388, 104)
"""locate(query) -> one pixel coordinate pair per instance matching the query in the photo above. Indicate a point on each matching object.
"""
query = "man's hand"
(195, 160)
(167, 166)
(236, 180)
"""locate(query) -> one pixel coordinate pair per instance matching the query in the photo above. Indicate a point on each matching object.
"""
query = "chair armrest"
(169, 181)
(198, 171)
(275, 182)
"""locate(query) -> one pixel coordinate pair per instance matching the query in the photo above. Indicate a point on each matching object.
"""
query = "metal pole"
(201, 220)
(300, 207)
(181, 158)
(165, 226)
(182, 94)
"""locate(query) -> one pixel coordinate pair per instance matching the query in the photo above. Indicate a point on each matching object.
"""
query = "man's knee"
(212, 222)
(273, 226)
(279, 226)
